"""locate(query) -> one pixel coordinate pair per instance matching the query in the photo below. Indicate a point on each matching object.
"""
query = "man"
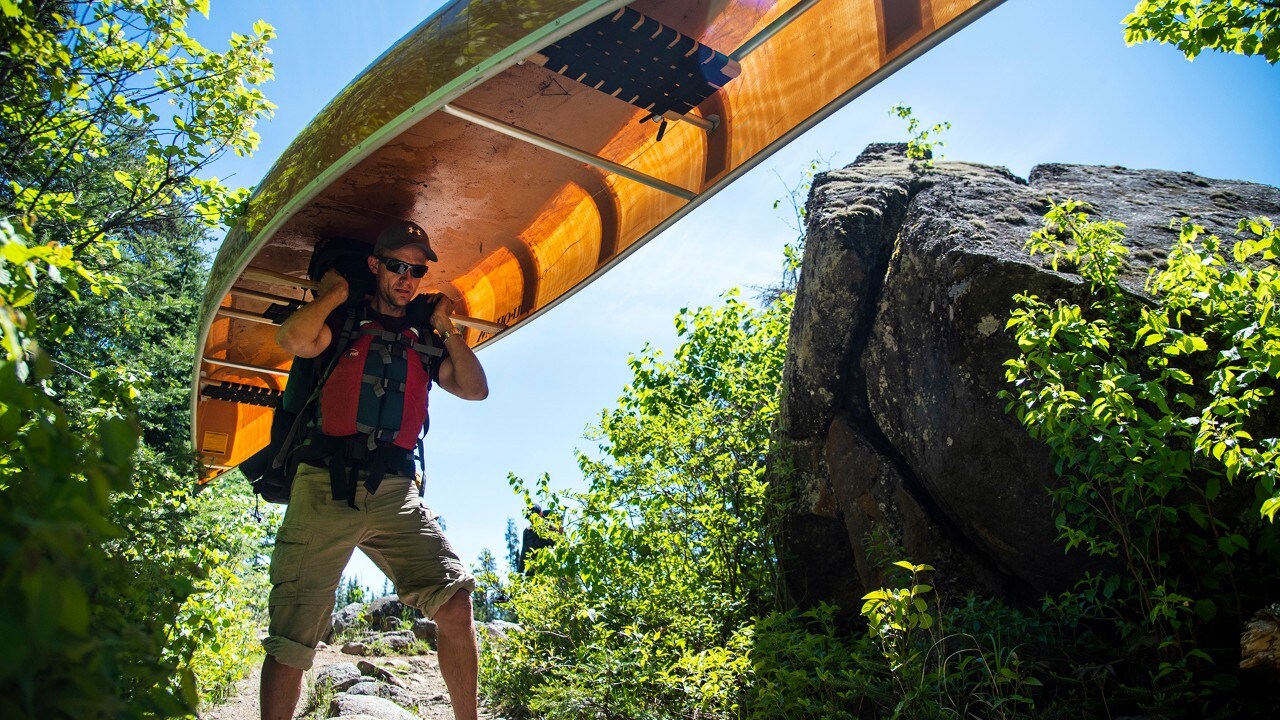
(532, 542)
(381, 511)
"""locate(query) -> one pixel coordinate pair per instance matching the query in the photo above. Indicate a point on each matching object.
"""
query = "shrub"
(664, 559)
(1158, 410)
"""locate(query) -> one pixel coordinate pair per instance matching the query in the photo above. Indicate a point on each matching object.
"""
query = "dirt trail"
(420, 674)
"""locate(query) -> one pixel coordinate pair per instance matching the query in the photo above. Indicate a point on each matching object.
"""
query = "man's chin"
(396, 300)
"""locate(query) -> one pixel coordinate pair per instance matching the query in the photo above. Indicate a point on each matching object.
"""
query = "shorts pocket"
(289, 554)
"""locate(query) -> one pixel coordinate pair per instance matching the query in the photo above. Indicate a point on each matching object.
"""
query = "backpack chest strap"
(381, 385)
(400, 339)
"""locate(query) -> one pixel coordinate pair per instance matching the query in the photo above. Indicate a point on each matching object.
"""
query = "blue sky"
(1034, 81)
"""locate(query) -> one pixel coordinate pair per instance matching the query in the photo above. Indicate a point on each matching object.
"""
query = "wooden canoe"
(528, 139)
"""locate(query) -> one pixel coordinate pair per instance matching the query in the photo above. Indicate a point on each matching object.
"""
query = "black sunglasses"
(401, 267)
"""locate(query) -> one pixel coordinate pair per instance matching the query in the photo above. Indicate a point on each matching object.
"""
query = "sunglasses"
(399, 267)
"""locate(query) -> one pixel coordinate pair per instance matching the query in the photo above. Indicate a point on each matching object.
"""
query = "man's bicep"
(444, 376)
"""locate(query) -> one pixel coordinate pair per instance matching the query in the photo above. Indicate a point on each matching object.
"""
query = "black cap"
(403, 233)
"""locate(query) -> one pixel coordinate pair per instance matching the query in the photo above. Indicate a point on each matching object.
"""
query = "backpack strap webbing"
(400, 339)
(350, 456)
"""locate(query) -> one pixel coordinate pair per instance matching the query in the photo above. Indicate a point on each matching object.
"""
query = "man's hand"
(442, 315)
(460, 373)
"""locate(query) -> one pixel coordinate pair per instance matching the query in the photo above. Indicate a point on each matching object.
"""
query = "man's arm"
(460, 373)
(305, 333)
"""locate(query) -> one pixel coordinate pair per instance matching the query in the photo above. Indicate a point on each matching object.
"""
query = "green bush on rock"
(1160, 413)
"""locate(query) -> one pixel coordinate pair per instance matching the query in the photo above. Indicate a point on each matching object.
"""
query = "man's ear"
(373, 264)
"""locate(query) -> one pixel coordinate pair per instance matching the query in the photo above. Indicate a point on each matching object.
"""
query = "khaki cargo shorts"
(393, 527)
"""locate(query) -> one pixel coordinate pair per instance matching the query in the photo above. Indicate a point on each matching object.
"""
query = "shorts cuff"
(288, 652)
(430, 605)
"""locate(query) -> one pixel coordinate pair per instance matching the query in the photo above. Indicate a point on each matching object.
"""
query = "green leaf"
(1113, 584)
(119, 440)
(1270, 507)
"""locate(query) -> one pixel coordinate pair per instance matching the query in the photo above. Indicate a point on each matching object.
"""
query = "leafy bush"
(141, 588)
(82, 655)
(136, 597)
(1155, 410)
(804, 666)
(664, 559)
(915, 659)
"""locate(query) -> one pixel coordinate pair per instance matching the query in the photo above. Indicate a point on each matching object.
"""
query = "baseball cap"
(403, 233)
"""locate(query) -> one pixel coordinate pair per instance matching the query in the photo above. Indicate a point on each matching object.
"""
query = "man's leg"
(313, 545)
(279, 690)
(458, 653)
(407, 542)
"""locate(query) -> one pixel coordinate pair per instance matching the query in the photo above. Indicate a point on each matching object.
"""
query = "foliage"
(895, 614)
(109, 199)
(1154, 409)
(923, 141)
(491, 592)
(1245, 27)
(962, 662)
(805, 666)
(350, 591)
(315, 706)
(664, 559)
(86, 83)
(114, 545)
(216, 629)
(81, 658)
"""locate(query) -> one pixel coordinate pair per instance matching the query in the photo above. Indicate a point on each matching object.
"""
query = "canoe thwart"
(573, 153)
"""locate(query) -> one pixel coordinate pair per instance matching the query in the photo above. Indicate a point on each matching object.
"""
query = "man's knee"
(456, 613)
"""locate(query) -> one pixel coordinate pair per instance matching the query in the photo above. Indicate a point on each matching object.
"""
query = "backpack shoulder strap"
(350, 323)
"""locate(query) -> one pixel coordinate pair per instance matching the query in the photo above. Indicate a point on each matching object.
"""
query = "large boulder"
(892, 440)
(346, 618)
(397, 695)
(338, 677)
(425, 630)
(387, 612)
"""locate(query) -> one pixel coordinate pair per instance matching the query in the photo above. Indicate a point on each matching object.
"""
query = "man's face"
(397, 290)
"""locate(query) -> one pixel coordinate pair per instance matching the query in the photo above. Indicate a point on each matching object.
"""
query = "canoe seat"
(641, 61)
(241, 393)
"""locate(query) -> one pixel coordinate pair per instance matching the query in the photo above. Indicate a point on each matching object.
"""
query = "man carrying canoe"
(356, 484)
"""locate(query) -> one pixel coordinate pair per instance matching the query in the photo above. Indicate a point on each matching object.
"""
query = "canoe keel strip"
(535, 160)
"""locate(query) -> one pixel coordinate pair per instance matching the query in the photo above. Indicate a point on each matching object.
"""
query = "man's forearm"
(301, 332)
(469, 379)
